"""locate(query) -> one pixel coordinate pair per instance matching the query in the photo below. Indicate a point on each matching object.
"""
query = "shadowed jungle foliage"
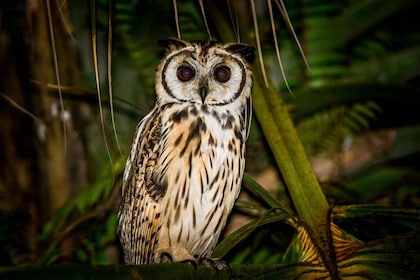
(333, 160)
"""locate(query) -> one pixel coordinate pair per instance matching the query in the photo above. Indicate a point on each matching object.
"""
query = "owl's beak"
(204, 90)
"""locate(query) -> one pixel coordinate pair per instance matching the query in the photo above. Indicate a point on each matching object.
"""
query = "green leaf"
(233, 239)
(374, 211)
(376, 182)
(356, 19)
(111, 226)
(260, 192)
(395, 257)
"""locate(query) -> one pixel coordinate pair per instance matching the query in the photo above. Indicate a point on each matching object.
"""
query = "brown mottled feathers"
(143, 193)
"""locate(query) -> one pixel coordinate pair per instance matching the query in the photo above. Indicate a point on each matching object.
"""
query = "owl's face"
(207, 73)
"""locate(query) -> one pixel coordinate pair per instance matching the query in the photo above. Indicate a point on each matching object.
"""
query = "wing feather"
(139, 213)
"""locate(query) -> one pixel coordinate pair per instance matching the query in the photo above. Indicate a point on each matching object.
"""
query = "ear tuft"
(244, 50)
(172, 43)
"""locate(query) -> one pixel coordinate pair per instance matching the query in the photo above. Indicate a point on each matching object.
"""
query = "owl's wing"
(139, 214)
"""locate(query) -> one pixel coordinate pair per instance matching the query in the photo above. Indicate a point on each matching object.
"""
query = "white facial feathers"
(204, 73)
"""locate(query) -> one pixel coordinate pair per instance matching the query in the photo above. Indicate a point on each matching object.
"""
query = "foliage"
(363, 77)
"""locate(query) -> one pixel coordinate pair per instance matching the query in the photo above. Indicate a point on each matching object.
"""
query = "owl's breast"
(198, 137)
(200, 147)
(201, 161)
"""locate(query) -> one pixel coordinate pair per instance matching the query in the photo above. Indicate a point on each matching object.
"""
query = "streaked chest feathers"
(187, 159)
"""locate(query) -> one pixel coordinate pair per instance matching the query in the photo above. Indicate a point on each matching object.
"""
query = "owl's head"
(204, 72)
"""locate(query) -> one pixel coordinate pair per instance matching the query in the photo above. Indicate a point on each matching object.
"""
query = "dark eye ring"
(185, 73)
(222, 73)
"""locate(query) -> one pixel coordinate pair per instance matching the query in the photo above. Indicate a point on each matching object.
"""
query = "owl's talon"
(190, 262)
(166, 258)
(217, 264)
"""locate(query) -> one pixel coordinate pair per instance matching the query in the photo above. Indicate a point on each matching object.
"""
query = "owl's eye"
(222, 73)
(185, 73)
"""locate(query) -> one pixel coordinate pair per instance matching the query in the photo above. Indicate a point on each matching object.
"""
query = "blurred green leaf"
(374, 211)
(239, 235)
(376, 183)
(260, 192)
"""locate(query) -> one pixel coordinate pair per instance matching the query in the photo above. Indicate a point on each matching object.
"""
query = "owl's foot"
(190, 262)
(166, 258)
(217, 264)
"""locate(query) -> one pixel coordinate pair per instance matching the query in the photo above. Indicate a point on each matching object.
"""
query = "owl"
(185, 168)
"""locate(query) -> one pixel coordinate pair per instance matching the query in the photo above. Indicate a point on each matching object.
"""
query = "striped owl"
(187, 159)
